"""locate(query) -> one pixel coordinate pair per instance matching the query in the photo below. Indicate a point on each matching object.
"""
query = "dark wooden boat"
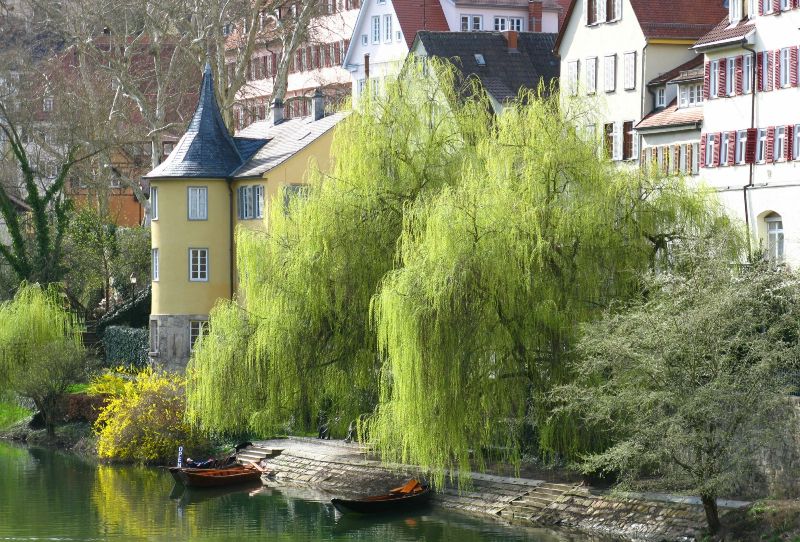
(410, 496)
(238, 474)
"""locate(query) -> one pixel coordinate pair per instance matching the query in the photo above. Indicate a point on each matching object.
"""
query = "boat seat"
(410, 487)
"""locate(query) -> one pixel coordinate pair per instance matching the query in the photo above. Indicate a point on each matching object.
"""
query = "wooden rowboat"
(215, 477)
(412, 495)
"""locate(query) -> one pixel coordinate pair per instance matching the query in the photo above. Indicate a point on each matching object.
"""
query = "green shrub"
(144, 421)
(11, 413)
(126, 346)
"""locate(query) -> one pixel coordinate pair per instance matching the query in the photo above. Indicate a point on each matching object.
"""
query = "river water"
(46, 495)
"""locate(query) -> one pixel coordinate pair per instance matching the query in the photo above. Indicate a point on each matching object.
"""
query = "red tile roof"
(672, 74)
(724, 32)
(672, 116)
(416, 15)
(676, 19)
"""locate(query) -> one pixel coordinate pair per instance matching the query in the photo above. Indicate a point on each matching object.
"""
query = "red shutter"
(723, 76)
(717, 148)
(770, 150)
(750, 146)
(776, 6)
(789, 142)
(702, 158)
(707, 82)
(793, 66)
(731, 148)
(739, 70)
(775, 62)
(759, 72)
(761, 6)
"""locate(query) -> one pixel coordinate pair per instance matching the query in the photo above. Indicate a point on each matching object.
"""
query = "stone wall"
(171, 350)
(781, 467)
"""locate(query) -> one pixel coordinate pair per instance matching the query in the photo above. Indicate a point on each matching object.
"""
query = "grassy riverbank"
(11, 414)
(768, 520)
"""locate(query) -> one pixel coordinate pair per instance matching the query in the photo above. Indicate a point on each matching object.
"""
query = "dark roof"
(676, 19)
(206, 150)
(416, 15)
(724, 33)
(505, 71)
(672, 74)
(671, 116)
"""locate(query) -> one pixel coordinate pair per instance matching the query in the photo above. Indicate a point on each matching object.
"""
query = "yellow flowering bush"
(144, 418)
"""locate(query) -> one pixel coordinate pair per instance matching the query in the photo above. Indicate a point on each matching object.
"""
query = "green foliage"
(135, 312)
(126, 346)
(298, 341)
(691, 384)
(144, 421)
(41, 352)
(11, 413)
(132, 260)
(439, 273)
(90, 247)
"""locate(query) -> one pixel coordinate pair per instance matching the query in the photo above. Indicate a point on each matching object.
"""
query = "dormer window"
(661, 97)
(690, 95)
(735, 11)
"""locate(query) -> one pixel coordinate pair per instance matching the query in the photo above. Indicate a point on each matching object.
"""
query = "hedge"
(126, 346)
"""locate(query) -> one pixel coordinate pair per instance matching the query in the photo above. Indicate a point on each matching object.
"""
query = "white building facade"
(750, 142)
(610, 50)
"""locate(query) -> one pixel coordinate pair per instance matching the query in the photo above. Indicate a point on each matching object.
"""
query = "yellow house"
(210, 184)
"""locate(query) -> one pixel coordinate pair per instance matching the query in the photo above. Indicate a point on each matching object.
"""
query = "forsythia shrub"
(144, 419)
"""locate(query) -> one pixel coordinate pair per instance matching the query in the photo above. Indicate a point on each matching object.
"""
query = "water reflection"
(58, 496)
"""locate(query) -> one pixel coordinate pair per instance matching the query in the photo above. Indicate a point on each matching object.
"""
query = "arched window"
(774, 237)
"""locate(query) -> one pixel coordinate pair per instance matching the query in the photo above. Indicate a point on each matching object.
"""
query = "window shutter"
(776, 6)
(770, 150)
(789, 137)
(635, 141)
(616, 149)
(739, 74)
(760, 72)
(731, 148)
(793, 66)
(676, 159)
(586, 11)
(702, 157)
(601, 11)
(707, 82)
(774, 70)
(761, 9)
(750, 146)
(717, 148)
(240, 202)
(723, 75)
(618, 9)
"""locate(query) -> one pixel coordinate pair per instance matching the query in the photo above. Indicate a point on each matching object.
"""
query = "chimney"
(535, 15)
(318, 105)
(276, 111)
(511, 39)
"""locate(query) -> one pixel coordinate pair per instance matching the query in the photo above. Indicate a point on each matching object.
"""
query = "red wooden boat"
(412, 495)
(238, 474)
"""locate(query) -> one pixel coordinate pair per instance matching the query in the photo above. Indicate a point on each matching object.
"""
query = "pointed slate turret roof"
(206, 150)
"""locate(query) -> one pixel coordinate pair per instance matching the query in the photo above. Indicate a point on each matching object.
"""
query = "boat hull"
(214, 477)
(383, 504)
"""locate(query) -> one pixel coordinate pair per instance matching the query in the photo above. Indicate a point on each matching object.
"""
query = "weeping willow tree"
(479, 318)
(297, 340)
(41, 352)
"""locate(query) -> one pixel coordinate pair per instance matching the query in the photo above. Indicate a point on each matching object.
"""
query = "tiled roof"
(672, 74)
(206, 150)
(284, 140)
(724, 33)
(672, 116)
(416, 15)
(673, 19)
(505, 71)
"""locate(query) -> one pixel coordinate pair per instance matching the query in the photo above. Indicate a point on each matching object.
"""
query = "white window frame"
(661, 97)
(714, 82)
(730, 76)
(572, 77)
(761, 145)
(741, 147)
(747, 74)
(786, 5)
(364, 39)
(768, 7)
(387, 28)
(500, 24)
(629, 78)
(515, 24)
(153, 203)
(735, 11)
(258, 201)
(376, 29)
(710, 148)
(471, 22)
(785, 67)
(610, 73)
(155, 263)
(775, 238)
(695, 158)
(198, 210)
(196, 329)
(202, 271)
(591, 75)
(796, 143)
(779, 147)
(724, 147)
(47, 104)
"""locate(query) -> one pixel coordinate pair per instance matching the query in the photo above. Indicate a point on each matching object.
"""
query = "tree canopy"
(435, 279)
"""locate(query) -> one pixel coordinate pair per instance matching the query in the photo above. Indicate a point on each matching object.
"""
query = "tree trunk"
(712, 514)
